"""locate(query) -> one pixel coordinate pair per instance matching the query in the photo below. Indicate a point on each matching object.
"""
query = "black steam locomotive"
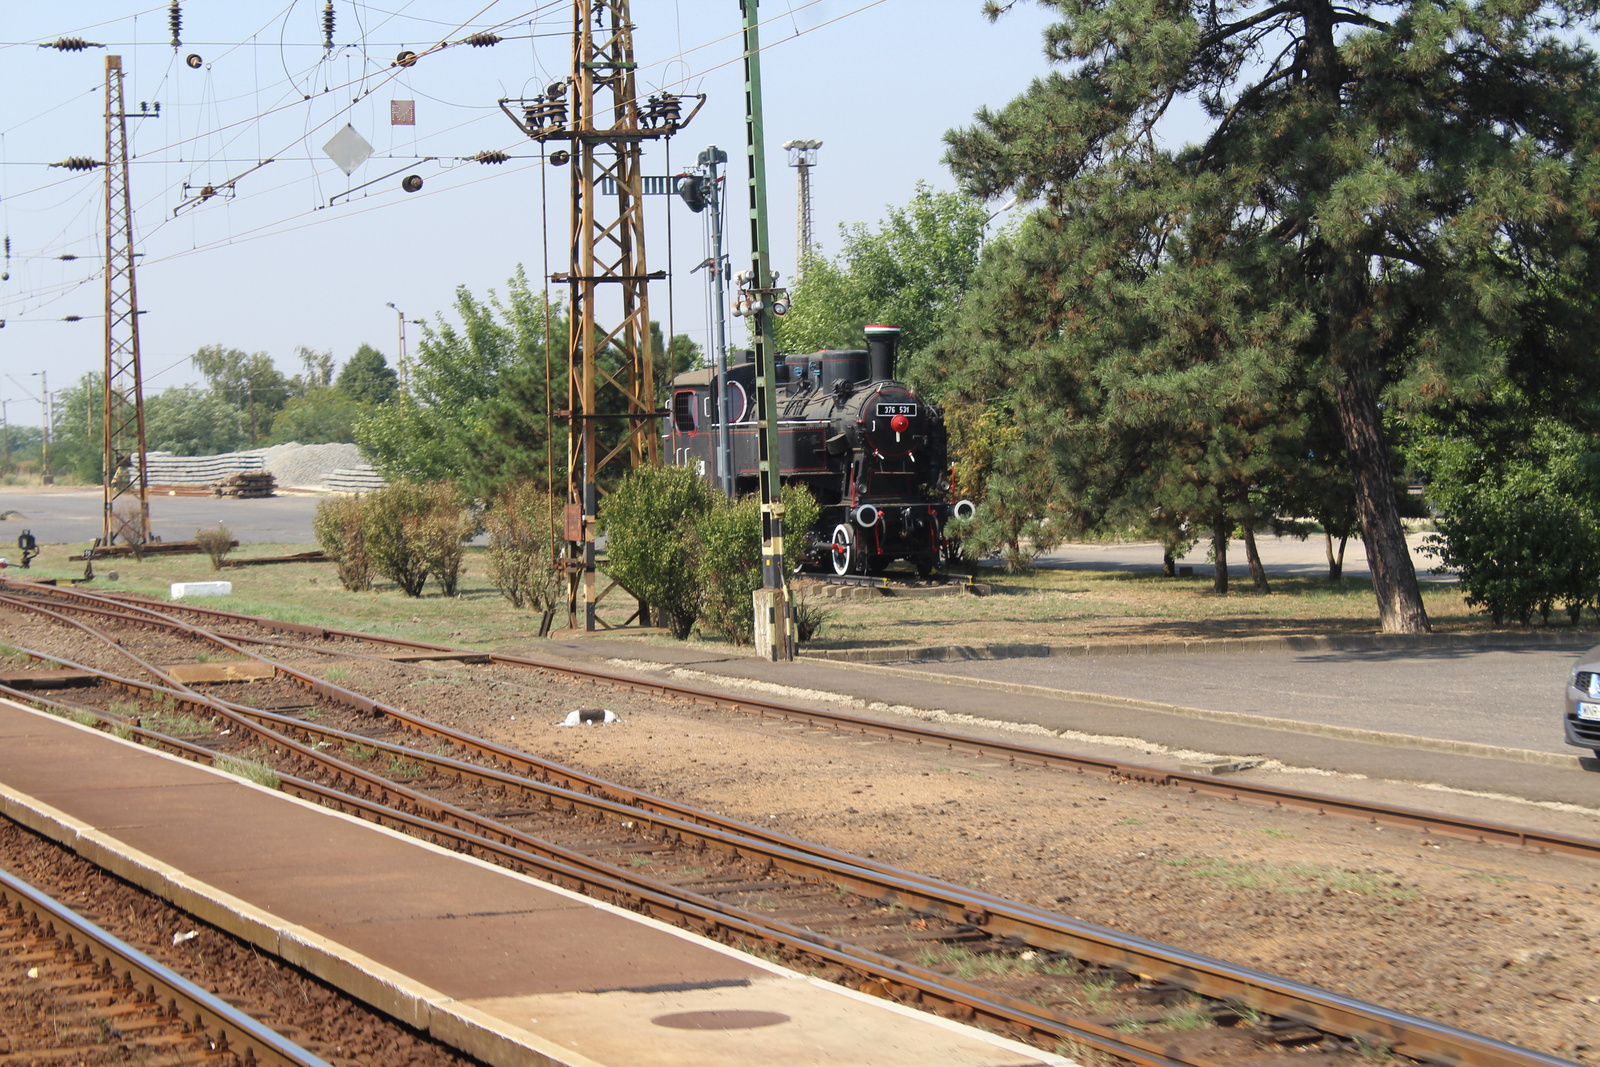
(870, 451)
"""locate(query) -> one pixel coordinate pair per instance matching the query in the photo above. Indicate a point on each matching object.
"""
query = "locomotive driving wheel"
(843, 545)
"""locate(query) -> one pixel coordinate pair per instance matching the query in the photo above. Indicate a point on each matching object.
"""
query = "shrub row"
(694, 556)
(407, 532)
(1521, 551)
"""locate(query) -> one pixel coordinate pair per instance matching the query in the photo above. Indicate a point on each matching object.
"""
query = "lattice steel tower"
(611, 394)
(123, 422)
(802, 157)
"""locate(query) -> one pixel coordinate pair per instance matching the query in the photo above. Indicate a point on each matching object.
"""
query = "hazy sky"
(277, 265)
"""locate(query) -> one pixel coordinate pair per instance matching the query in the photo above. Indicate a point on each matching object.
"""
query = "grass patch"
(123, 731)
(336, 674)
(1043, 606)
(969, 964)
(1291, 878)
(1186, 1014)
(175, 723)
(249, 770)
(83, 718)
(638, 859)
(1279, 834)
(404, 768)
(124, 709)
(362, 752)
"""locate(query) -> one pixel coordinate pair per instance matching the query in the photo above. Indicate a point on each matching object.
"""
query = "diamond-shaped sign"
(348, 149)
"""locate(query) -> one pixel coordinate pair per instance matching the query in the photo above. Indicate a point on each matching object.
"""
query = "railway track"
(75, 994)
(483, 798)
(1275, 797)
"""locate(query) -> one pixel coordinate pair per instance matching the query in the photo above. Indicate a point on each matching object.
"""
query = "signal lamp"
(691, 193)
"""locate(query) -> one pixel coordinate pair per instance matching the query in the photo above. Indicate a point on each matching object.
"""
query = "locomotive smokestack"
(881, 344)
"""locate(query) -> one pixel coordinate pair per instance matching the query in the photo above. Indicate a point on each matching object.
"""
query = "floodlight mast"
(802, 157)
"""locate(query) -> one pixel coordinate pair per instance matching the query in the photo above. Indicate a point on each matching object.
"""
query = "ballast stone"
(185, 589)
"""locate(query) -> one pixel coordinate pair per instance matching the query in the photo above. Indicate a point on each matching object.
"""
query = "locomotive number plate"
(886, 410)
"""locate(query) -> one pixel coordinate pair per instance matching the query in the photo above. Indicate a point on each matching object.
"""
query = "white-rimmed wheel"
(843, 545)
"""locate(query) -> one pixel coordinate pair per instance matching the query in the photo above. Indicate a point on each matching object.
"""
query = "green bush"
(215, 542)
(730, 558)
(525, 526)
(651, 524)
(1519, 551)
(337, 525)
(392, 523)
(443, 531)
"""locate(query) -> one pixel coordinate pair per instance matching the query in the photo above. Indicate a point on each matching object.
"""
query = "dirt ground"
(1488, 938)
(1492, 939)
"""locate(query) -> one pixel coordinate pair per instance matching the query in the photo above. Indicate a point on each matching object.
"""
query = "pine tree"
(1402, 196)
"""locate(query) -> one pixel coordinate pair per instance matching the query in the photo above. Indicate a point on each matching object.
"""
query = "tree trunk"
(1221, 530)
(1335, 562)
(1258, 573)
(1169, 566)
(1394, 579)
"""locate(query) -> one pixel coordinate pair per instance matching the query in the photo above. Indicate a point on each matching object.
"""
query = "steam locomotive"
(871, 452)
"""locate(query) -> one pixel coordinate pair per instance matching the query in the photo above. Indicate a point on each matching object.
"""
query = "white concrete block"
(183, 589)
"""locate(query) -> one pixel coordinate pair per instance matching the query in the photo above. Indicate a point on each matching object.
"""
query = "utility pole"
(5, 434)
(123, 470)
(700, 191)
(597, 113)
(759, 295)
(400, 358)
(46, 421)
(802, 157)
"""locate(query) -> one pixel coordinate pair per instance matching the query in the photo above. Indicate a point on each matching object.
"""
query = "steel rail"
(1277, 797)
(881, 975)
(231, 1029)
(998, 917)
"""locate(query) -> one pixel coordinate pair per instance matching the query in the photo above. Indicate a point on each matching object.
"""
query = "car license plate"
(1587, 710)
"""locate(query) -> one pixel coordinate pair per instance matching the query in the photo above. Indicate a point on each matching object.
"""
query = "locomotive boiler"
(868, 448)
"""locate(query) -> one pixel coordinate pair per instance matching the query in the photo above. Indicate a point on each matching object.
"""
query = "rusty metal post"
(610, 368)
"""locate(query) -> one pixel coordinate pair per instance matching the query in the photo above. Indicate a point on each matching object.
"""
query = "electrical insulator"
(495, 156)
(68, 256)
(193, 61)
(407, 58)
(72, 318)
(327, 24)
(482, 40)
(175, 20)
(560, 158)
(71, 44)
(77, 163)
(411, 182)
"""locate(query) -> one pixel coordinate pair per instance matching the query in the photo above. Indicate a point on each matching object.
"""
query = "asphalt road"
(69, 515)
(1507, 698)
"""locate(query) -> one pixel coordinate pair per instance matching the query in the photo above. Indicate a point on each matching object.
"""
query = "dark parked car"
(1583, 702)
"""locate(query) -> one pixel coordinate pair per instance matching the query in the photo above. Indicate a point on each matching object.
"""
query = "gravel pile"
(308, 466)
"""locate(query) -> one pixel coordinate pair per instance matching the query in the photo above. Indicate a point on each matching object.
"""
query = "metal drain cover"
(720, 1020)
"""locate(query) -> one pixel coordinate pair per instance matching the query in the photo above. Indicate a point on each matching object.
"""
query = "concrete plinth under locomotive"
(868, 448)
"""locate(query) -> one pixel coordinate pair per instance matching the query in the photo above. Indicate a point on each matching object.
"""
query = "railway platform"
(506, 968)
